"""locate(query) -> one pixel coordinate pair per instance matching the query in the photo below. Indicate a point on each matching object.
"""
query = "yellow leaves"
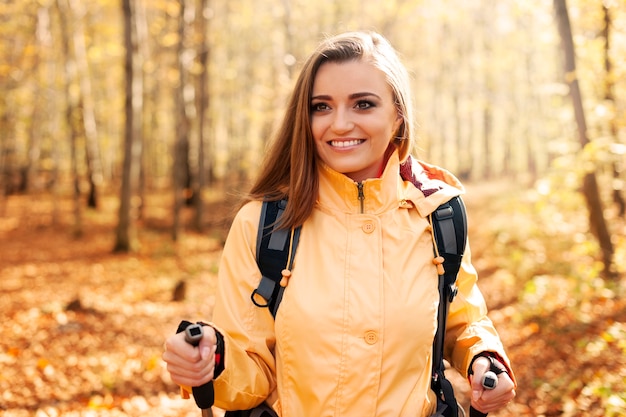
(600, 152)
(172, 8)
(616, 334)
(99, 402)
(169, 39)
(547, 292)
(5, 70)
(29, 51)
(566, 333)
(605, 391)
(153, 362)
(42, 364)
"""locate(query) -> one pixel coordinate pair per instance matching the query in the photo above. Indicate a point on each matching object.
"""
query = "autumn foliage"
(133, 128)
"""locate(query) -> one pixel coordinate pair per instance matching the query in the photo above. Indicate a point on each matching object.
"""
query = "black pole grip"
(203, 395)
(475, 413)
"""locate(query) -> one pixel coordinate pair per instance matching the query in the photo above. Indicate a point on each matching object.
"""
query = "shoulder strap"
(275, 248)
(450, 230)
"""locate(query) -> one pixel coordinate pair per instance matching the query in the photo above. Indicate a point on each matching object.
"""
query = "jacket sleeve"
(248, 331)
(469, 331)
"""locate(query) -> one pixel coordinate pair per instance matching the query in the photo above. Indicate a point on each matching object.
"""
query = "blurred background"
(128, 129)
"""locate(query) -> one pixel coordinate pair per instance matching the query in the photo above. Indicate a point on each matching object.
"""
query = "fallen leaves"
(83, 328)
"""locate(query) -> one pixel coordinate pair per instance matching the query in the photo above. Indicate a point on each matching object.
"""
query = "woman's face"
(353, 117)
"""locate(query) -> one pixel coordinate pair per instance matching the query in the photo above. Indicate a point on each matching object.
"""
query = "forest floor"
(83, 328)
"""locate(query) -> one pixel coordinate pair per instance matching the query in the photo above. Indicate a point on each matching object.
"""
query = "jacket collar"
(430, 186)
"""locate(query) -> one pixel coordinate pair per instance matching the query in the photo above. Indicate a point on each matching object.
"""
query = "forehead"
(336, 78)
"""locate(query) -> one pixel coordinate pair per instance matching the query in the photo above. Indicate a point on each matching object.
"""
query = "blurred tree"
(140, 126)
(71, 107)
(44, 72)
(591, 193)
(182, 175)
(202, 104)
(86, 102)
(126, 239)
(609, 97)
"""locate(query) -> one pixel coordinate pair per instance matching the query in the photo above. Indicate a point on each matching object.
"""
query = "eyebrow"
(352, 96)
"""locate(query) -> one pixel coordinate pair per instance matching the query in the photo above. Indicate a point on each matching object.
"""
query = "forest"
(129, 129)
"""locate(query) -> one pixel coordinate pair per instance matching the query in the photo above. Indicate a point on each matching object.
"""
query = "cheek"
(317, 129)
(388, 130)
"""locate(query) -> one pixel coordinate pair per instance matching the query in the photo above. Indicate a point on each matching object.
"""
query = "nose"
(342, 122)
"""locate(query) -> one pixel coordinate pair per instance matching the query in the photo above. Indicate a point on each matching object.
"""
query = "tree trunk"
(140, 20)
(43, 74)
(71, 105)
(126, 235)
(180, 170)
(597, 223)
(92, 148)
(609, 97)
(202, 105)
(487, 126)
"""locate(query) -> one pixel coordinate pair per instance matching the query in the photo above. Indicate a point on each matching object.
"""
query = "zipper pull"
(361, 196)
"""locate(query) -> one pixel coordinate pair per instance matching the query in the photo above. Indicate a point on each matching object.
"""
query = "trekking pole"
(204, 394)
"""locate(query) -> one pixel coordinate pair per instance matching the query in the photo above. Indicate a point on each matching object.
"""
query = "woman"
(354, 332)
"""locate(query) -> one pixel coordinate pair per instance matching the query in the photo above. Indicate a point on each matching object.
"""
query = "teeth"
(345, 143)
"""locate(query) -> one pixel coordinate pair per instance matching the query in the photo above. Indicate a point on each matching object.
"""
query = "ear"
(398, 122)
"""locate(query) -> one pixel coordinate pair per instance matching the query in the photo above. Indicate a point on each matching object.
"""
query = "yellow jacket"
(354, 332)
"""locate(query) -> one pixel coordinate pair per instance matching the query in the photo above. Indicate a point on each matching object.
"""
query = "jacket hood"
(434, 185)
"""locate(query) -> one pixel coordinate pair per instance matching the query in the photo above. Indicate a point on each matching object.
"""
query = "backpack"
(276, 250)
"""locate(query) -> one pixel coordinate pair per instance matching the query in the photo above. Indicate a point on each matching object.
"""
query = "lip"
(345, 143)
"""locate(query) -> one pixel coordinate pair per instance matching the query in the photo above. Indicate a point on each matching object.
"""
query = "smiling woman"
(364, 269)
(353, 118)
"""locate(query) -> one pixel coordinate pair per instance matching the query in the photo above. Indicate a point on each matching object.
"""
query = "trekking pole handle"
(204, 394)
(490, 381)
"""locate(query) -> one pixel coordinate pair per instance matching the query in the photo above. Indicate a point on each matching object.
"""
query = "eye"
(319, 106)
(364, 104)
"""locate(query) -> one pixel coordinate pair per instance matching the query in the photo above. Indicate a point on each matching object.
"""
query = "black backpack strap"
(450, 229)
(275, 251)
(449, 223)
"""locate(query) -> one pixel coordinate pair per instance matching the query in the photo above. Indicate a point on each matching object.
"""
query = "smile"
(346, 143)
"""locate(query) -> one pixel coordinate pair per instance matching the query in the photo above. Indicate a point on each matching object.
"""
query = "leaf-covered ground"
(83, 328)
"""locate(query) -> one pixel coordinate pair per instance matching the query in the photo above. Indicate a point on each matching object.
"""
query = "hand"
(486, 400)
(188, 365)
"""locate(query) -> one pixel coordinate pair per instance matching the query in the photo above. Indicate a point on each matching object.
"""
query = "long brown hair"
(290, 166)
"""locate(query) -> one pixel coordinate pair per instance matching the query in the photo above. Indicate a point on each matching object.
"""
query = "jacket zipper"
(361, 196)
